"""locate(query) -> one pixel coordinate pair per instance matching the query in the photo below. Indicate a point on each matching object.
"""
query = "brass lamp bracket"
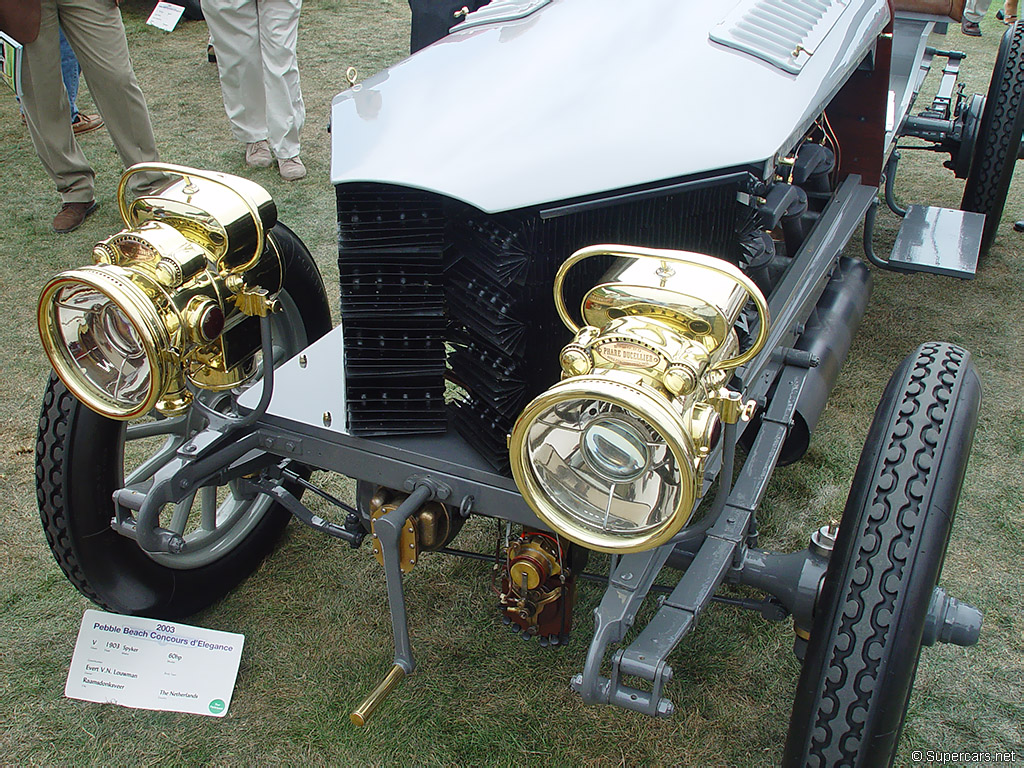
(255, 302)
(730, 406)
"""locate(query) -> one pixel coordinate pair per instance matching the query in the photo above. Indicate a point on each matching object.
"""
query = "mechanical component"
(951, 621)
(538, 587)
(361, 714)
(999, 135)
(83, 460)
(428, 529)
(612, 458)
(170, 301)
(826, 340)
(965, 134)
(823, 540)
(879, 589)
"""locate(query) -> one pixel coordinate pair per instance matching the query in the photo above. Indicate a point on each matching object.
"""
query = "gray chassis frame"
(253, 450)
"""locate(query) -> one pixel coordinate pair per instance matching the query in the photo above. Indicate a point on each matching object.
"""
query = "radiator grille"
(478, 287)
(391, 267)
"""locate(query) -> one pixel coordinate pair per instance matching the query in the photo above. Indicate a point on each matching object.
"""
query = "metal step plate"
(939, 240)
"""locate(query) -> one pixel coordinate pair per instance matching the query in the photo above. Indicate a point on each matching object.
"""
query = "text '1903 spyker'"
(602, 320)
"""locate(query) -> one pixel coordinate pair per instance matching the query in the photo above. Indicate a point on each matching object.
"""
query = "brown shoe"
(970, 29)
(71, 215)
(86, 123)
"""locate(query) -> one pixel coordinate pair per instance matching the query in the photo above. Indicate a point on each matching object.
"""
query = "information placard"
(148, 664)
(165, 16)
(10, 62)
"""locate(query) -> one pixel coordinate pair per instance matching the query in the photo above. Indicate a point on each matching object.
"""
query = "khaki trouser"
(975, 10)
(96, 34)
(259, 73)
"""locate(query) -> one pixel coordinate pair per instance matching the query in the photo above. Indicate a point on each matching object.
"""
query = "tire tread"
(850, 705)
(992, 168)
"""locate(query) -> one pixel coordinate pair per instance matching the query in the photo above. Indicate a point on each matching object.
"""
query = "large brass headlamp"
(611, 457)
(169, 299)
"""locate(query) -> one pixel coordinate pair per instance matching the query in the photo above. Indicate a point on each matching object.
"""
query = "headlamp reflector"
(605, 464)
(102, 335)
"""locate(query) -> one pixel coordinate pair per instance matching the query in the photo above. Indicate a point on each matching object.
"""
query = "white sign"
(165, 16)
(148, 664)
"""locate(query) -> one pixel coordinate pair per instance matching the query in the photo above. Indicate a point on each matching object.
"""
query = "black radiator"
(391, 265)
(429, 283)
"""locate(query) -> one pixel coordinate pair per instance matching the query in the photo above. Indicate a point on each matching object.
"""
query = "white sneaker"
(291, 168)
(257, 154)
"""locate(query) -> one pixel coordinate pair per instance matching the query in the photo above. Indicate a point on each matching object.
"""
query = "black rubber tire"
(999, 134)
(193, 9)
(865, 641)
(78, 468)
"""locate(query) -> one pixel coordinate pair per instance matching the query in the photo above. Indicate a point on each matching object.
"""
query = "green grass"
(314, 615)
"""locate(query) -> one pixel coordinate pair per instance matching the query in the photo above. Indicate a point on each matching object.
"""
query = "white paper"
(165, 16)
(149, 664)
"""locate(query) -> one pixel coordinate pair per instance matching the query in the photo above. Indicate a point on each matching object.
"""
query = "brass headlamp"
(171, 298)
(611, 457)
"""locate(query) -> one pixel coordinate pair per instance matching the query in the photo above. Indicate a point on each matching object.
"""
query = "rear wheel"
(999, 134)
(868, 625)
(82, 458)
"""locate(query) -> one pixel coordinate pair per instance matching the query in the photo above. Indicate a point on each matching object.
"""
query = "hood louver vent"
(784, 33)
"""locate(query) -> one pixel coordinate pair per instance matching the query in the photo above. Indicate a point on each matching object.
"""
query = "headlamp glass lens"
(605, 469)
(101, 343)
(615, 450)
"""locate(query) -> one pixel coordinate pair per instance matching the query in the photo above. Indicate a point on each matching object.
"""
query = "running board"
(942, 241)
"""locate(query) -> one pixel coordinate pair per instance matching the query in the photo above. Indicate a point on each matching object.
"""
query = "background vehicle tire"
(80, 463)
(193, 9)
(866, 639)
(999, 134)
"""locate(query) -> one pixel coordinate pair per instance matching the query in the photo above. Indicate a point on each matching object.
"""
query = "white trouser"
(975, 10)
(259, 72)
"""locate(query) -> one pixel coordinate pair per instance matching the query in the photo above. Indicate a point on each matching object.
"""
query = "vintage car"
(599, 306)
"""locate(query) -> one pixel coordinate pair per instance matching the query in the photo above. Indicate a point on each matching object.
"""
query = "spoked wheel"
(82, 458)
(998, 138)
(866, 638)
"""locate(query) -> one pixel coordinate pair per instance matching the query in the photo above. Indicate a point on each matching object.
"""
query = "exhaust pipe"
(827, 336)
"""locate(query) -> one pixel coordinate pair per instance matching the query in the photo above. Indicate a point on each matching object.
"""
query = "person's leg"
(975, 10)
(48, 115)
(97, 36)
(286, 112)
(1010, 11)
(69, 69)
(234, 27)
(96, 33)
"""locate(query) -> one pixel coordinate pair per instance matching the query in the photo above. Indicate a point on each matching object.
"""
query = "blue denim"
(69, 69)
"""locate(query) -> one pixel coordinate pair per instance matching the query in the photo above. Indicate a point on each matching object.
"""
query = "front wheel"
(866, 637)
(82, 458)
